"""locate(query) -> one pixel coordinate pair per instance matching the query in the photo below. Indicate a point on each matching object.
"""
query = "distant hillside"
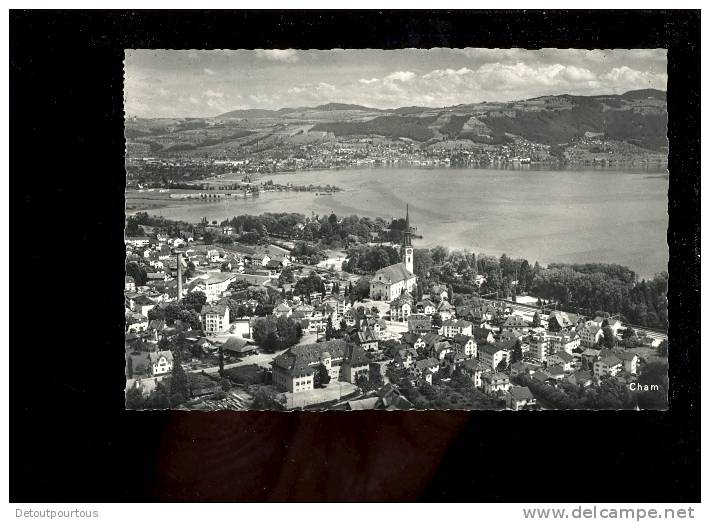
(636, 117)
(249, 113)
(344, 107)
(644, 94)
(391, 126)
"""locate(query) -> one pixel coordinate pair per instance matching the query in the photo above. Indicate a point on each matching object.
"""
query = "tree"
(194, 301)
(536, 320)
(329, 328)
(156, 313)
(225, 267)
(263, 400)
(609, 339)
(286, 276)
(276, 333)
(137, 272)
(179, 392)
(343, 325)
(439, 254)
(436, 320)
(190, 271)
(129, 367)
(221, 360)
(134, 399)
(629, 333)
(190, 318)
(517, 354)
(321, 377)
(172, 312)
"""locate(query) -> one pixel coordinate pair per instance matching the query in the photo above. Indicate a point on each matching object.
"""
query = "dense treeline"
(366, 259)
(329, 231)
(607, 289)
(609, 395)
(581, 288)
(136, 222)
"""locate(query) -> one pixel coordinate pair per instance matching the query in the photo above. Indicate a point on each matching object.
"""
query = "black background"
(72, 441)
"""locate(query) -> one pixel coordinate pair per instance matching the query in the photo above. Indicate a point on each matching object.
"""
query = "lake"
(569, 216)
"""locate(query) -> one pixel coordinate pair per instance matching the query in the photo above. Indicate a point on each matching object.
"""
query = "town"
(280, 312)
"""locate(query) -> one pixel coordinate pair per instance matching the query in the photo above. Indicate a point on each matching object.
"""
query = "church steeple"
(407, 250)
(407, 232)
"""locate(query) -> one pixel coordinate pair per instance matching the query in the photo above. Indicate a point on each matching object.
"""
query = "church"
(389, 282)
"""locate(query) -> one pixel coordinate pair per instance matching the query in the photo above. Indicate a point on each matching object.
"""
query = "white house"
(492, 355)
(630, 362)
(160, 362)
(466, 345)
(609, 365)
(590, 334)
(563, 359)
(426, 307)
(454, 327)
(495, 382)
(215, 318)
(539, 347)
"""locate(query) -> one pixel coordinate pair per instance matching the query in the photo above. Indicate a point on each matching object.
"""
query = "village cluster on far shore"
(264, 327)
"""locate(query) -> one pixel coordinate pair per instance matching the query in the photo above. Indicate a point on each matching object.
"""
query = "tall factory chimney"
(179, 275)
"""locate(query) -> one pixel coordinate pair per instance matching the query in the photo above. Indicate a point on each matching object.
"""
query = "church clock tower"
(407, 249)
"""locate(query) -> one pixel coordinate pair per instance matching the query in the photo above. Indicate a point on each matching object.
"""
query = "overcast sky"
(189, 83)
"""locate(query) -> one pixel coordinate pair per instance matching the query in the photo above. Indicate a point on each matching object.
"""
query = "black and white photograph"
(393, 256)
(407, 229)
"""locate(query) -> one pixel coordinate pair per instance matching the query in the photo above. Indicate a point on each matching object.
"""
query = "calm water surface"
(548, 216)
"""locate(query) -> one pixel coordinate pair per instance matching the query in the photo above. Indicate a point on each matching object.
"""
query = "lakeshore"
(546, 215)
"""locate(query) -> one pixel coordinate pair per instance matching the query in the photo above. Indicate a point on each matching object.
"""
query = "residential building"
(454, 327)
(430, 364)
(563, 359)
(355, 363)
(492, 355)
(519, 397)
(515, 323)
(419, 323)
(495, 382)
(629, 361)
(405, 357)
(580, 378)
(160, 362)
(367, 339)
(483, 336)
(402, 307)
(466, 345)
(590, 334)
(446, 310)
(474, 369)
(608, 365)
(426, 307)
(215, 318)
(282, 310)
(558, 321)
